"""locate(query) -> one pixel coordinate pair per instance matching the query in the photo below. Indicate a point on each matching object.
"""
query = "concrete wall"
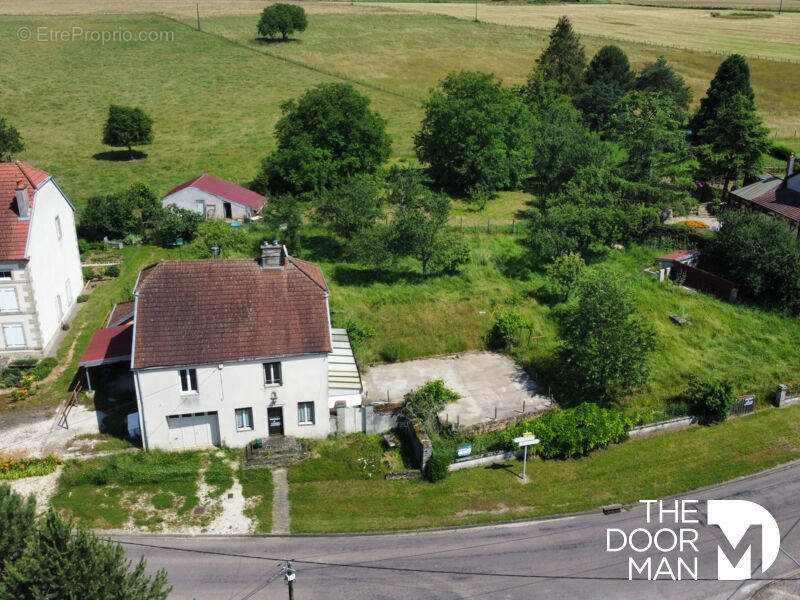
(661, 426)
(201, 202)
(236, 385)
(484, 459)
(363, 419)
(54, 265)
(420, 444)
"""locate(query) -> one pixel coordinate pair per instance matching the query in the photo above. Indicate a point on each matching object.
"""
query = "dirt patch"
(42, 488)
(500, 509)
(44, 436)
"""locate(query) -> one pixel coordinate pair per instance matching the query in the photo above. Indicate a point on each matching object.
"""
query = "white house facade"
(215, 198)
(40, 267)
(224, 351)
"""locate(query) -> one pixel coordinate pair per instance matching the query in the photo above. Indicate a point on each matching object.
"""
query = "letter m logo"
(734, 518)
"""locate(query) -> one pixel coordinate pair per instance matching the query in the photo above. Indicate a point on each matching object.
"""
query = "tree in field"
(10, 141)
(564, 272)
(607, 78)
(735, 141)
(710, 400)
(352, 207)
(732, 78)
(418, 226)
(127, 127)
(475, 133)
(762, 254)
(282, 18)
(605, 343)
(564, 60)
(283, 215)
(659, 78)
(649, 128)
(561, 145)
(60, 561)
(325, 136)
(610, 66)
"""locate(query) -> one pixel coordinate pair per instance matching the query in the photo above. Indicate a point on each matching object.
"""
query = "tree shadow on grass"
(356, 276)
(119, 155)
(272, 41)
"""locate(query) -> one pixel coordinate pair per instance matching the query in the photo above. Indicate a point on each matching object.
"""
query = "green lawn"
(147, 490)
(258, 489)
(639, 469)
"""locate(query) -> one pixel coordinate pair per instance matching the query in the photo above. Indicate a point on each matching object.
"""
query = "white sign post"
(527, 439)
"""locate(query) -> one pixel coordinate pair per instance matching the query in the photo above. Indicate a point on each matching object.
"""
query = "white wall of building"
(202, 202)
(54, 265)
(235, 385)
(24, 317)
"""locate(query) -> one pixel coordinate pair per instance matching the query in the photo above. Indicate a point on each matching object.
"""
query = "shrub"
(89, 274)
(83, 298)
(506, 329)
(83, 246)
(43, 368)
(17, 468)
(10, 377)
(358, 332)
(574, 431)
(112, 271)
(20, 395)
(65, 326)
(710, 400)
(437, 468)
(564, 271)
(426, 401)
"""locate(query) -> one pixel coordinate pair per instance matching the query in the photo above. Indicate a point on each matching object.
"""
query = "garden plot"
(491, 386)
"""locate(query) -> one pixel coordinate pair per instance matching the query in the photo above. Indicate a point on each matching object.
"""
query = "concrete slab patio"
(486, 381)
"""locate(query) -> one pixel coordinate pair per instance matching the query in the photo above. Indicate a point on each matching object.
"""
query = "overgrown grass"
(218, 475)
(356, 456)
(258, 490)
(108, 492)
(646, 468)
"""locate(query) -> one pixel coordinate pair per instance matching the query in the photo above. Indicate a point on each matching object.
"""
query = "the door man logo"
(734, 518)
(671, 551)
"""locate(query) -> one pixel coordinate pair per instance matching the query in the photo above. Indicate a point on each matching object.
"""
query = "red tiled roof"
(112, 344)
(209, 311)
(677, 255)
(224, 189)
(121, 312)
(781, 200)
(13, 232)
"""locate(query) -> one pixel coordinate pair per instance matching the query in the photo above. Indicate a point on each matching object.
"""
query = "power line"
(423, 571)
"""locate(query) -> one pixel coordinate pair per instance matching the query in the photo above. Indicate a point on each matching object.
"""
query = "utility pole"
(476, 10)
(289, 574)
(198, 16)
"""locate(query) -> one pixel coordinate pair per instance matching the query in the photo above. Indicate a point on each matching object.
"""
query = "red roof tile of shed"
(112, 344)
(13, 232)
(193, 312)
(677, 255)
(223, 189)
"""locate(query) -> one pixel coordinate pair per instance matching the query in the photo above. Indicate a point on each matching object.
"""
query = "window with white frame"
(305, 413)
(58, 227)
(14, 336)
(68, 289)
(244, 419)
(188, 381)
(8, 300)
(272, 373)
(5, 274)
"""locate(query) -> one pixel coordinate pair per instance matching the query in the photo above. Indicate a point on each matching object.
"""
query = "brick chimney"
(272, 255)
(23, 201)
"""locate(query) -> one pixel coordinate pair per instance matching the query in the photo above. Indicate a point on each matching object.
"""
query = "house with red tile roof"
(226, 351)
(40, 266)
(215, 198)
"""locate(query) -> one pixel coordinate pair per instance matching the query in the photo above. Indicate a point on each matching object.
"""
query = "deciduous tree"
(282, 18)
(475, 133)
(127, 127)
(10, 141)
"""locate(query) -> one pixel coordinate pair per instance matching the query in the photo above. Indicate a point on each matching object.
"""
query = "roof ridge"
(294, 261)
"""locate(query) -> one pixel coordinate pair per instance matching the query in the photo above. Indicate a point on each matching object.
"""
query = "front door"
(275, 420)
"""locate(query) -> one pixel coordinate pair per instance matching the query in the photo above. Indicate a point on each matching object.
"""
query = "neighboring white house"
(40, 265)
(215, 198)
(227, 351)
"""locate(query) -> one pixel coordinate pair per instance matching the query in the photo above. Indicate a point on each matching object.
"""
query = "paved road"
(559, 558)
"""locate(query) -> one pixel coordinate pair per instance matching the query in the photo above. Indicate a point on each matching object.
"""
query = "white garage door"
(198, 430)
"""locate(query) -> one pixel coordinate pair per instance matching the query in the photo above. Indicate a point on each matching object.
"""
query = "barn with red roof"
(215, 198)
